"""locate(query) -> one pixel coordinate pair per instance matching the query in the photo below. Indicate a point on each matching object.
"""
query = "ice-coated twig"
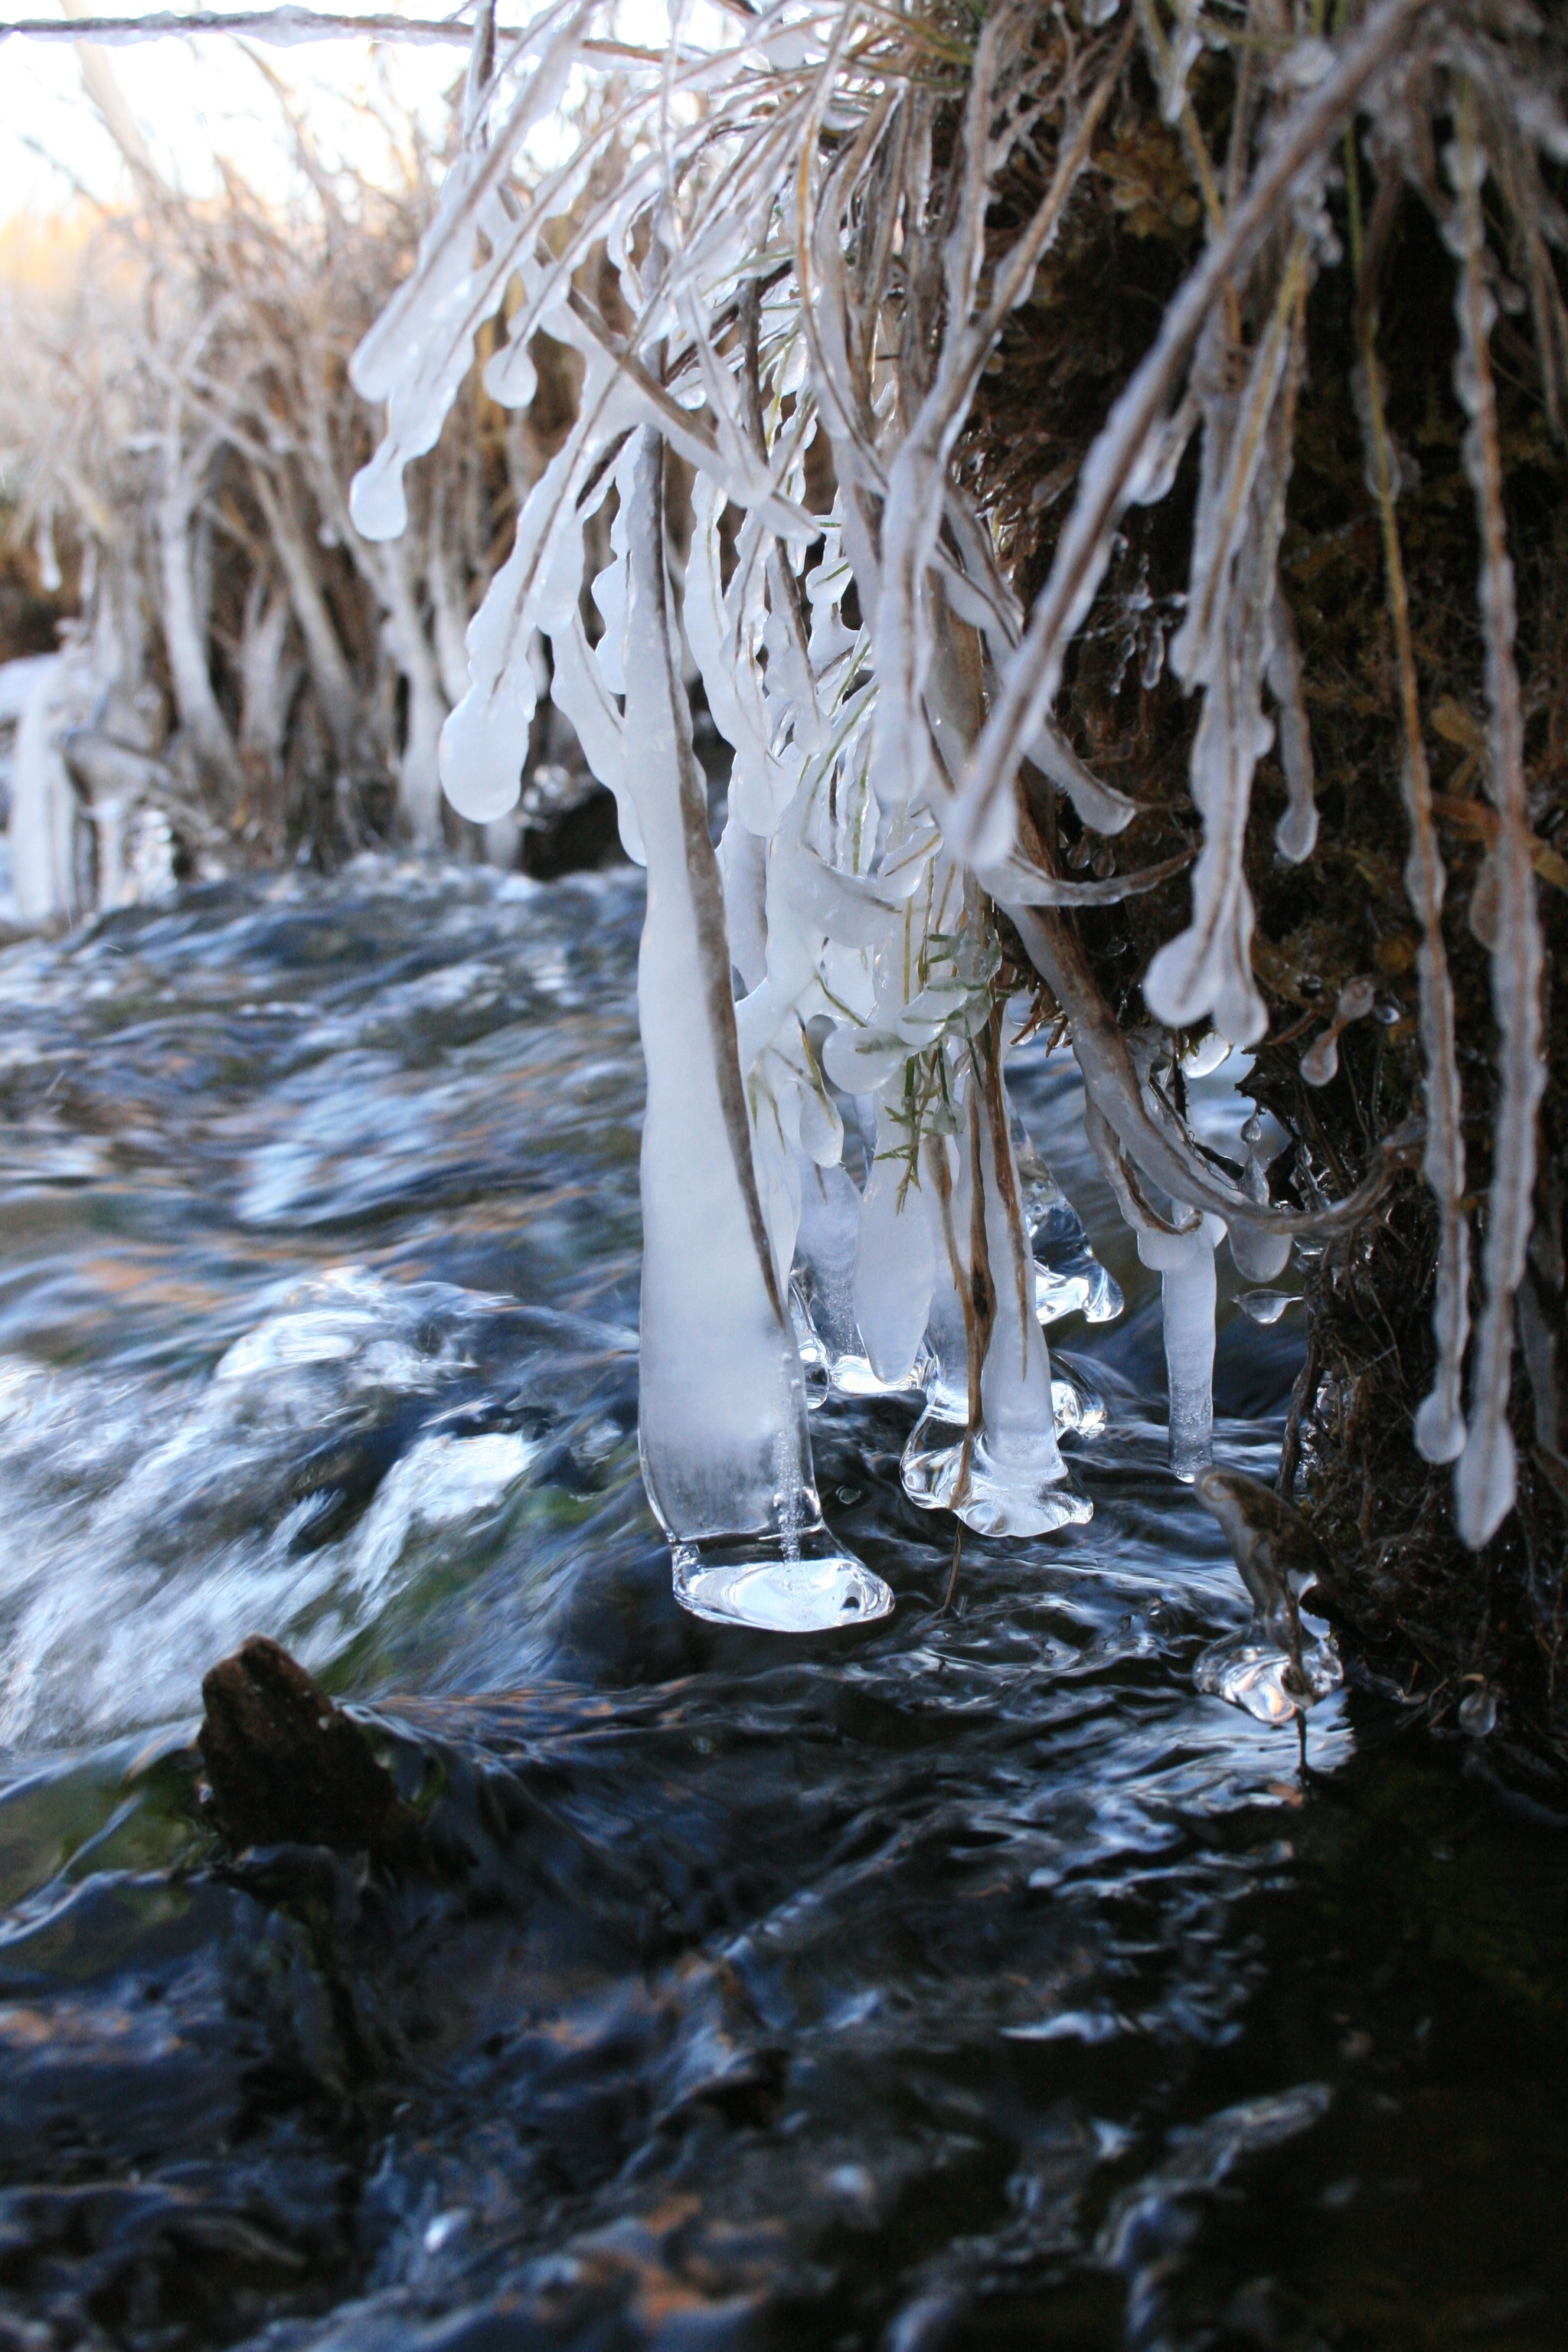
(1113, 1085)
(914, 507)
(980, 826)
(1018, 883)
(285, 26)
(420, 349)
(1439, 1420)
(1485, 1480)
(1221, 647)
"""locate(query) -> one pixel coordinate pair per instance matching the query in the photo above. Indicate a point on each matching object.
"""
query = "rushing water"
(966, 1980)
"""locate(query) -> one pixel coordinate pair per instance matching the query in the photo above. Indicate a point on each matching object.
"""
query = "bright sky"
(199, 96)
(195, 99)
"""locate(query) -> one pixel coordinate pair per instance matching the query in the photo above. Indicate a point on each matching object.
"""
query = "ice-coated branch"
(1114, 1087)
(914, 511)
(1485, 1480)
(980, 826)
(1439, 1420)
(284, 26)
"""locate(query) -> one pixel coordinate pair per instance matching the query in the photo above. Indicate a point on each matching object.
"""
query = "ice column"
(1184, 1262)
(933, 1466)
(1018, 1482)
(1005, 1475)
(723, 1432)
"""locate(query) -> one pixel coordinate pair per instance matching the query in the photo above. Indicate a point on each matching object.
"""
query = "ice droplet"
(1260, 1679)
(1264, 1306)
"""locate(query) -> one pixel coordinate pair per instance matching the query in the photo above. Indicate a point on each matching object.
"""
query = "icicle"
(1221, 647)
(1184, 1262)
(49, 561)
(1484, 1483)
(937, 1456)
(1319, 1063)
(722, 1415)
(1183, 49)
(824, 1254)
(421, 347)
(1257, 1257)
(894, 1264)
(1296, 835)
(1180, 1249)
(537, 587)
(1018, 1482)
(985, 1445)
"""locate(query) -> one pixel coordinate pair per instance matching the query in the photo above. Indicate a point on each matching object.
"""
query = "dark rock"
(286, 1766)
(574, 837)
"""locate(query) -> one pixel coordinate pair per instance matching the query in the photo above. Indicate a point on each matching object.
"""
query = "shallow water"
(967, 1981)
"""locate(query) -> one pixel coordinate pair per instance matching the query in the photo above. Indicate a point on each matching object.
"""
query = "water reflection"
(967, 1980)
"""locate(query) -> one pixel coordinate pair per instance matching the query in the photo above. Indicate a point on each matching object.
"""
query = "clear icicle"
(1484, 1483)
(722, 1415)
(1296, 835)
(1018, 1482)
(824, 1256)
(934, 1467)
(1184, 1262)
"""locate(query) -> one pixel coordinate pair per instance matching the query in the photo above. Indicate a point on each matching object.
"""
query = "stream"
(962, 1980)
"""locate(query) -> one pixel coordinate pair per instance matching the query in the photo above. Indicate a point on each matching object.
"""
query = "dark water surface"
(965, 1981)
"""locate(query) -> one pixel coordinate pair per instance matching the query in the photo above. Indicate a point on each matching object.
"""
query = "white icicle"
(483, 742)
(723, 1414)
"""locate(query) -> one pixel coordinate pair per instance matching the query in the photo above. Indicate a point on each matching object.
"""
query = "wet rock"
(285, 1767)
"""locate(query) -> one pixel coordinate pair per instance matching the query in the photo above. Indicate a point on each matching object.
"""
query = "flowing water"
(965, 1980)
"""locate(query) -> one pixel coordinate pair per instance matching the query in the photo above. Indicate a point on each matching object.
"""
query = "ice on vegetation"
(723, 1417)
(1485, 1481)
(819, 997)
